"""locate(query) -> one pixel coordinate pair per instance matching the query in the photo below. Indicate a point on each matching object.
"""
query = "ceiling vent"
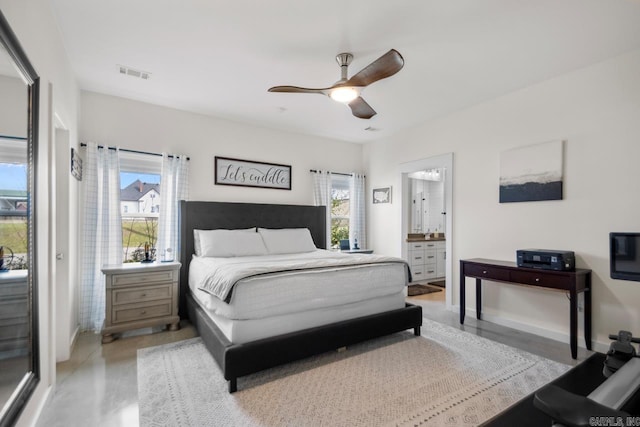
(144, 75)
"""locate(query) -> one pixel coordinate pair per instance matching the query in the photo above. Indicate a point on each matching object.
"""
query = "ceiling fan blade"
(361, 109)
(385, 66)
(296, 89)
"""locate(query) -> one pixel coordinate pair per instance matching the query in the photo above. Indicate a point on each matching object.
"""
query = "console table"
(573, 282)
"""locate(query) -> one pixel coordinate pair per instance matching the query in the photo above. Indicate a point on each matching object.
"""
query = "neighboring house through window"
(13, 203)
(140, 201)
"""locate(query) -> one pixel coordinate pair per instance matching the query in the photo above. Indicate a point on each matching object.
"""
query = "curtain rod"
(19, 138)
(82, 144)
(333, 173)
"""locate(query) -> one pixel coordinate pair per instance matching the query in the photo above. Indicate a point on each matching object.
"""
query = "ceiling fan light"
(344, 94)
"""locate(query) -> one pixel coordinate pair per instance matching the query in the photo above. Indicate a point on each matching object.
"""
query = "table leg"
(462, 294)
(573, 323)
(587, 311)
(478, 298)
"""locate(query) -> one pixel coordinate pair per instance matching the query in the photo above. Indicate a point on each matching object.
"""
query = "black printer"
(546, 259)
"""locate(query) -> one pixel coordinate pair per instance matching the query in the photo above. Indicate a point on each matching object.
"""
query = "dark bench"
(581, 379)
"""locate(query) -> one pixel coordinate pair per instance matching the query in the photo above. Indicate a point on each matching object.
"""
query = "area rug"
(440, 283)
(447, 377)
(414, 290)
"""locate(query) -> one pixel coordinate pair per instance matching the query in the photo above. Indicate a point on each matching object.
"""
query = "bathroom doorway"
(427, 194)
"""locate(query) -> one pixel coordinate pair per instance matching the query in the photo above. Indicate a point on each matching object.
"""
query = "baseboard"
(532, 329)
(74, 338)
(34, 407)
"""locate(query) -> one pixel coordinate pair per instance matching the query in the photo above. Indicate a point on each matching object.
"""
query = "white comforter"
(222, 274)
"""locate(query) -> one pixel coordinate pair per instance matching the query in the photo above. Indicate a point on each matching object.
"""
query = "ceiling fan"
(347, 90)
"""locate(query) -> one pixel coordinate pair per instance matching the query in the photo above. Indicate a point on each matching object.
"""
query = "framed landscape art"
(531, 173)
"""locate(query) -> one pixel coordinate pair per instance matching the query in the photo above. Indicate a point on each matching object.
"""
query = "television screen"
(625, 256)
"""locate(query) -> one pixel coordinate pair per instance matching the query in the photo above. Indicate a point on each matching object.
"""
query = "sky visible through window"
(13, 176)
(127, 178)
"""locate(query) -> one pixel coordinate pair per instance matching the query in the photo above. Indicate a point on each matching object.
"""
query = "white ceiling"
(219, 57)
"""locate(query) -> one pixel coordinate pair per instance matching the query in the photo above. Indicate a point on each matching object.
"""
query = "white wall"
(112, 121)
(36, 29)
(13, 105)
(597, 111)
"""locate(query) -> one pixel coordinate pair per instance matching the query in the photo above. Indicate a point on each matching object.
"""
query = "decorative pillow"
(287, 240)
(228, 243)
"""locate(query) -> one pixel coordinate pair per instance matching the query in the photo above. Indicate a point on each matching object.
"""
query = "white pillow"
(287, 240)
(228, 243)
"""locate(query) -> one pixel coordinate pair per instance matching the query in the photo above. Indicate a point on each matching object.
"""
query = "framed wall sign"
(76, 165)
(248, 173)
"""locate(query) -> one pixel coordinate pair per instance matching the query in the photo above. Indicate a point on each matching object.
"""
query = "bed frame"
(236, 360)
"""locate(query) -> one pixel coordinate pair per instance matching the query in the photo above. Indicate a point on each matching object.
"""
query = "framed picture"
(382, 195)
(249, 173)
(76, 165)
(531, 173)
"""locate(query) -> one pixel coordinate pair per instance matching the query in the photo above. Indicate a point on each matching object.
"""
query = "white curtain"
(174, 186)
(357, 223)
(322, 197)
(101, 231)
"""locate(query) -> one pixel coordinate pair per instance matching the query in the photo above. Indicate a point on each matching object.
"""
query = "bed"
(255, 340)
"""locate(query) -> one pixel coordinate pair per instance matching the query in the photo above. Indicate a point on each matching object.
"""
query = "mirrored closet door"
(19, 355)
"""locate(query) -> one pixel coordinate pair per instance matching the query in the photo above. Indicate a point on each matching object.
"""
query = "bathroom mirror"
(19, 355)
(428, 202)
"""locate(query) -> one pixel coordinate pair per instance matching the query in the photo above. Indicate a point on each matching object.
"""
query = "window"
(13, 204)
(340, 188)
(140, 201)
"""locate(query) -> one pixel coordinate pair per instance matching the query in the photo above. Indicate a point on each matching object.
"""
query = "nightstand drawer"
(12, 308)
(142, 311)
(14, 329)
(141, 294)
(146, 277)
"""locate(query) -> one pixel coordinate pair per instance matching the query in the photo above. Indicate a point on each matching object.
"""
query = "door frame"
(441, 161)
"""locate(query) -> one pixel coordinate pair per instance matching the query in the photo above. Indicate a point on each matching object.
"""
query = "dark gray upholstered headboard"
(215, 215)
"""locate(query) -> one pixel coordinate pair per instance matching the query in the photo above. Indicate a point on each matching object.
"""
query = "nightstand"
(14, 312)
(140, 295)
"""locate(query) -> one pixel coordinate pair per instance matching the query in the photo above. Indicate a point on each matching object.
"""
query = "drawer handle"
(418, 257)
(430, 256)
(431, 271)
(537, 279)
(484, 271)
(143, 312)
(143, 295)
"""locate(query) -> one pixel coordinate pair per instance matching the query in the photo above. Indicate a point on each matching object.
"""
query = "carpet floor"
(447, 377)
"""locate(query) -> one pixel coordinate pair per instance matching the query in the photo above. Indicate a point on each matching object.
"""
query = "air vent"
(127, 71)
